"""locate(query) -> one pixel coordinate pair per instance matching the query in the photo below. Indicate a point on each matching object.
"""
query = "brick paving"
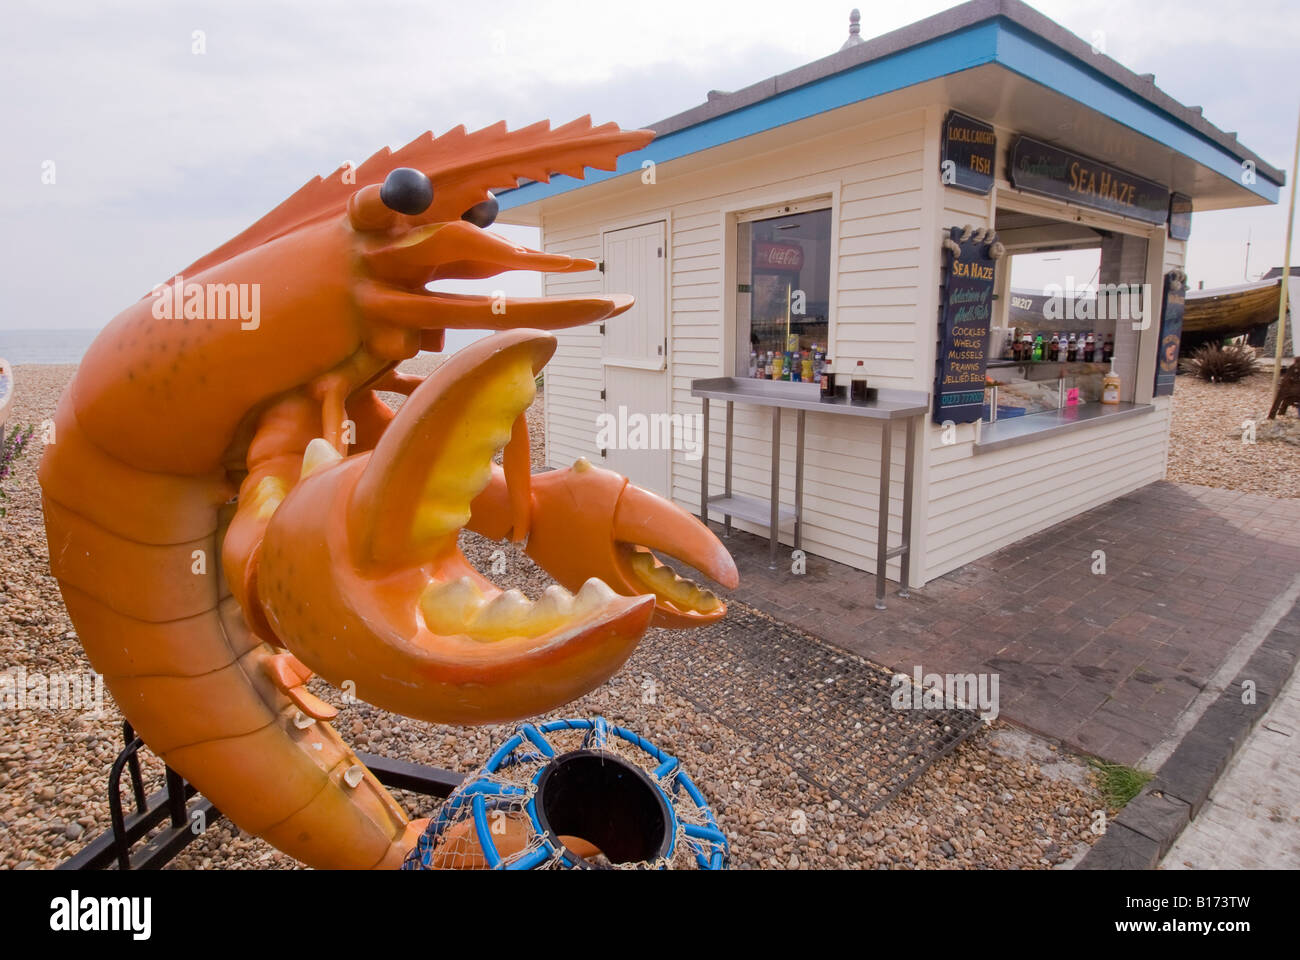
(1104, 663)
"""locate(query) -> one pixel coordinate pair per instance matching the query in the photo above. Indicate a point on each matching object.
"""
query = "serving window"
(1062, 316)
(783, 281)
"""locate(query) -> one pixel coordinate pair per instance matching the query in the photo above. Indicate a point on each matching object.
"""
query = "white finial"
(854, 30)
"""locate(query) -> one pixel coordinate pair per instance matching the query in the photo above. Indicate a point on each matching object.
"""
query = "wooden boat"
(1247, 308)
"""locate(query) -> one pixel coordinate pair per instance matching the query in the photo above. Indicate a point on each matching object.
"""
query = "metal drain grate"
(826, 711)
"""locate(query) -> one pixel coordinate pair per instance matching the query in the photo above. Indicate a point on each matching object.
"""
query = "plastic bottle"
(1110, 385)
(827, 380)
(1038, 348)
(858, 385)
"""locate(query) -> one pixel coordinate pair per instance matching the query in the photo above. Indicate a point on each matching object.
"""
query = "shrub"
(11, 448)
(1222, 364)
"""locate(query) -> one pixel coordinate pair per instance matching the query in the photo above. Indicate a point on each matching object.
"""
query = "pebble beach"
(1001, 799)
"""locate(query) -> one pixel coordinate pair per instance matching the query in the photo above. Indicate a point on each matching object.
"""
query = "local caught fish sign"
(968, 153)
(1042, 168)
(967, 308)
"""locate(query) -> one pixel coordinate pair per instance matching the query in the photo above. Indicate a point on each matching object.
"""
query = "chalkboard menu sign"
(1171, 332)
(1180, 216)
(1042, 168)
(968, 148)
(963, 339)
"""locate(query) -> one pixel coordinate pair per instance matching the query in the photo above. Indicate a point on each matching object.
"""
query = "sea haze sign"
(968, 151)
(964, 334)
(1042, 168)
(1171, 333)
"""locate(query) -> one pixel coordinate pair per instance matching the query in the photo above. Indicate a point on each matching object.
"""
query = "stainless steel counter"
(888, 406)
(1010, 431)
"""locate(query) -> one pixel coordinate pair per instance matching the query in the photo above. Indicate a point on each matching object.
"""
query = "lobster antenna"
(464, 167)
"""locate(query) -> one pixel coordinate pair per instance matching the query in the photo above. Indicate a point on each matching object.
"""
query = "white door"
(635, 359)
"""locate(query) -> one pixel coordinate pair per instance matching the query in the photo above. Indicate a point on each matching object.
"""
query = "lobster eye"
(483, 214)
(406, 191)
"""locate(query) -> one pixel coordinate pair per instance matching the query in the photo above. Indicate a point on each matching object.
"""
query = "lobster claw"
(591, 522)
(361, 578)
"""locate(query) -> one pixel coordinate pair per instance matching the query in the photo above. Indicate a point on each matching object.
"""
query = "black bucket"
(606, 801)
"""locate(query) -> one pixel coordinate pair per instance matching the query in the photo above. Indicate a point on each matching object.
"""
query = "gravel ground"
(1000, 799)
(1206, 445)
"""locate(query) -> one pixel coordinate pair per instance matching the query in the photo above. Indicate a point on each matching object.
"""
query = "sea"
(44, 346)
(69, 346)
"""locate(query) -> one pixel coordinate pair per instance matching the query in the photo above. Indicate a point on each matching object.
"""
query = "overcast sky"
(161, 154)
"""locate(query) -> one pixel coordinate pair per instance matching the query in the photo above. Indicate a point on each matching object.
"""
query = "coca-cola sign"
(778, 256)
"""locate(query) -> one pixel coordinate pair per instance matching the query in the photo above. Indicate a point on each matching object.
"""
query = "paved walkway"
(1105, 664)
(1252, 819)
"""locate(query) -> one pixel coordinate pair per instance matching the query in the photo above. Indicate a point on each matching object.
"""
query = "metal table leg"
(731, 409)
(704, 464)
(774, 529)
(798, 484)
(882, 525)
(905, 554)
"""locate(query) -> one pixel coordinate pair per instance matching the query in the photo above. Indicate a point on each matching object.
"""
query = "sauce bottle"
(827, 380)
(858, 385)
(1110, 385)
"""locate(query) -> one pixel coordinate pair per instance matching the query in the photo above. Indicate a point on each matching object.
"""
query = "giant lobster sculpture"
(231, 507)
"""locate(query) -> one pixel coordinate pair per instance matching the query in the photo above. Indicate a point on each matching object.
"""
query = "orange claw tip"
(648, 520)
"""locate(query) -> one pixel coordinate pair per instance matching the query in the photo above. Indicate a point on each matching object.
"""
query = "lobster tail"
(135, 556)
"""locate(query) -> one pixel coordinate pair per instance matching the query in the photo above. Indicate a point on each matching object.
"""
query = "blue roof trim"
(991, 41)
(962, 50)
(1036, 60)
